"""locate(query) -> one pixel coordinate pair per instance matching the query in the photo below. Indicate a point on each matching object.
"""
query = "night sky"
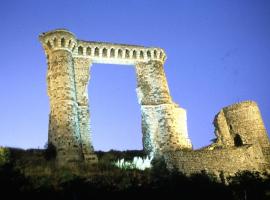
(218, 53)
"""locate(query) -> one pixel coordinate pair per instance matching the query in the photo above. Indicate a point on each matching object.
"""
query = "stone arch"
(141, 54)
(127, 53)
(112, 53)
(134, 54)
(69, 44)
(63, 42)
(120, 53)
(148, 53)
(155, 53)
(160, 116)
(55, 42)
(88, 51)
(96, 51)
(80, 50)
(104, 52)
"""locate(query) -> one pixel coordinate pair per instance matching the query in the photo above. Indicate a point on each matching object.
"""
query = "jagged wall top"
(100, 52)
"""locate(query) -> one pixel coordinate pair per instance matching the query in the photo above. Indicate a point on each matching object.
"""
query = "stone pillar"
(82, 68)
(163, 122)
(64, 131)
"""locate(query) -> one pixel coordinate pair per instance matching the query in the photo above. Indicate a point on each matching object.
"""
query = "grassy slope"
(29, 174)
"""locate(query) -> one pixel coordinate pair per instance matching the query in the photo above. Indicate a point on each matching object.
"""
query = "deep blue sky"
(218, 54)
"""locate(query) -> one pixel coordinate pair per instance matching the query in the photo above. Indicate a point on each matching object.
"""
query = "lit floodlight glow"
(136, 163)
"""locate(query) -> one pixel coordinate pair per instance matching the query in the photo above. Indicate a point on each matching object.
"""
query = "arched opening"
(55, 42)
(238, 140)
(120, 52)
(134, 54)
(155, 53)
(63, 42)
(104, 52)
(88, 51)
(141, 55)
(69, 43)
(80, 50)
(148, 54)
(114, 109)
(112, 53)
(127, 53)
(96, 51)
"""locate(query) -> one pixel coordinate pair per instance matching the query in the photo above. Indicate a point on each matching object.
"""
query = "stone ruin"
(242, 142)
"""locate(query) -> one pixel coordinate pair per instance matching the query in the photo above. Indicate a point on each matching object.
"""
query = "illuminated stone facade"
(69, 63)
(241, 144)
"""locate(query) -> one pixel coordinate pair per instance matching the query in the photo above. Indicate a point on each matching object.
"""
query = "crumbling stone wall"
(241, 144)
(163, 122)
(226, 160)
(69, 64)
(82, 76)
(164, 128)
(241, 121)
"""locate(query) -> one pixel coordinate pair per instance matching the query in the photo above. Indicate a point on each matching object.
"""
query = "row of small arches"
(104, 52)
(63, 43)
(119, 53)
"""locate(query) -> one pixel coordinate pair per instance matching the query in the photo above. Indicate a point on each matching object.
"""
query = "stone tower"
(241, 124)
(69, 114)
(69, 60)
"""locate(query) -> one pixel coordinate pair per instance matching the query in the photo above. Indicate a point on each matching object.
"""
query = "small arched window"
(120, 53)
(141, 55)
(55, 42)
(88, 51)
(63, 42)
(80, 50)
(127, 53)
(155, 53)
(69, 43)
(112, 53)
(96, 51)
(148, 54)
(104, 52)
(134, 54)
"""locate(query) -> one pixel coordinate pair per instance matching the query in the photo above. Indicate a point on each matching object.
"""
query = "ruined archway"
(115, 112)
(69, 62)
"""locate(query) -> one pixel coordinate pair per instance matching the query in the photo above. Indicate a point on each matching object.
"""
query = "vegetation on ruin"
(29, 173)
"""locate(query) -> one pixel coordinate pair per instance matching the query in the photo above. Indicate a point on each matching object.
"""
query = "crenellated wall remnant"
(69, 71)
(241, 138)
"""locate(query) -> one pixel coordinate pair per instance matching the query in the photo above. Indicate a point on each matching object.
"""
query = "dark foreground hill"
(32, 174)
